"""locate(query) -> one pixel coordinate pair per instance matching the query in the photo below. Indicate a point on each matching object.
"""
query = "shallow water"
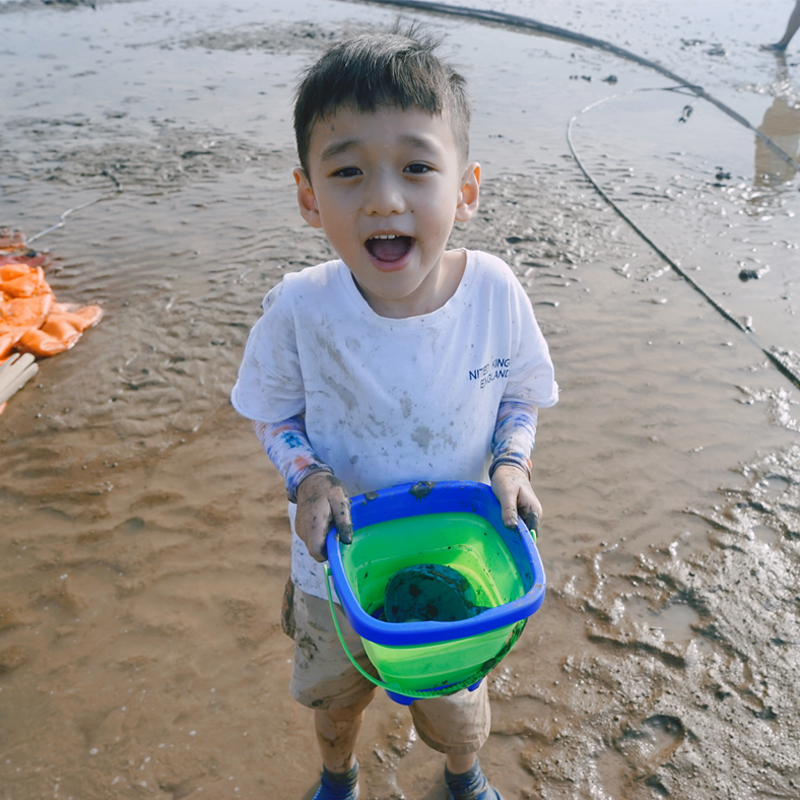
(144, 543)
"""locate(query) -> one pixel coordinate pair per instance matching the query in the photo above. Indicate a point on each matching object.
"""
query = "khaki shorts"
(323, 678)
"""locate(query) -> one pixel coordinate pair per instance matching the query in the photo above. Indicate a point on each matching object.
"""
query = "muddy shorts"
(323, 678)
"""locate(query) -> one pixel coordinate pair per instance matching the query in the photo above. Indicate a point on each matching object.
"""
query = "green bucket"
(456, 525)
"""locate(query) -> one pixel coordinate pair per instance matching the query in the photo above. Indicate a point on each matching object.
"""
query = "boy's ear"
(305, 198)
(468, 195)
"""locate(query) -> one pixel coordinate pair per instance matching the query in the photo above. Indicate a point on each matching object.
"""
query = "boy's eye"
(347, 172)
(418, 169)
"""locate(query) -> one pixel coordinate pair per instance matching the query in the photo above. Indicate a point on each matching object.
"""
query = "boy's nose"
(384, 196)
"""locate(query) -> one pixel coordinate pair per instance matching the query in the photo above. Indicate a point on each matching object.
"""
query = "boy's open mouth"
(389, 248)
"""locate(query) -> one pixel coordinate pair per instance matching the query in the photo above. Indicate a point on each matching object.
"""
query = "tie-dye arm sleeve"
(287, 445)
(514, 435)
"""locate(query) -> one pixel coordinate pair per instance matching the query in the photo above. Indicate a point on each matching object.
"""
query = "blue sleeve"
(287, 445)
(514, 434)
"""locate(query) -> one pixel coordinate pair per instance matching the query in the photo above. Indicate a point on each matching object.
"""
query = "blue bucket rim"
(411, 500)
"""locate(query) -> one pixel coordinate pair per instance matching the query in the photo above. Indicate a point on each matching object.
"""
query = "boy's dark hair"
(379, 70)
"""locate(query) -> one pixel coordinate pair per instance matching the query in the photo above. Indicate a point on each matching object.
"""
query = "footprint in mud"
(651, 745)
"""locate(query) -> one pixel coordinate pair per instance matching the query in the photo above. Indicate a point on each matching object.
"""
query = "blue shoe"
(470, 785)
(338, 785)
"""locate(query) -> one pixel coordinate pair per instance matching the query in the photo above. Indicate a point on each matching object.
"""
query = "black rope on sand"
(516, 22)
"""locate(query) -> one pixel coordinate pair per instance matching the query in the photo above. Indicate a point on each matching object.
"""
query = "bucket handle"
(473, 679)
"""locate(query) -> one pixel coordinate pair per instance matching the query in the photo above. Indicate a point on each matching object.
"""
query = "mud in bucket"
(454, 525)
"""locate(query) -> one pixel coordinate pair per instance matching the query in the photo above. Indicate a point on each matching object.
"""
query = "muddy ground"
(144, 545)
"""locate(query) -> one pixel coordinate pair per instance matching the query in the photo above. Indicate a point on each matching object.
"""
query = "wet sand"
(144, 543)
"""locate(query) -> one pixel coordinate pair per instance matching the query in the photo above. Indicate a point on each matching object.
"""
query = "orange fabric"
(7, 342)
(22, 281)
(48, 342)
(79, 318)
(30, 319)
(10, 271)
(25, 312)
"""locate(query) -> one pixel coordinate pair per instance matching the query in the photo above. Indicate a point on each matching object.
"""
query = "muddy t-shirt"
(391, 401)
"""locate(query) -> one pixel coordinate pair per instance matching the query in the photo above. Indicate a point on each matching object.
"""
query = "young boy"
(400, 362)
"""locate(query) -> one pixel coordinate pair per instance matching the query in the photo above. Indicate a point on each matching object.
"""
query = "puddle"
(766, 534)
(774, 485)
(675, 623)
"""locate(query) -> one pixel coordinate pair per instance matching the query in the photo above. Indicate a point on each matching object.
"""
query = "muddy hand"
(517, 499)
(321, 503)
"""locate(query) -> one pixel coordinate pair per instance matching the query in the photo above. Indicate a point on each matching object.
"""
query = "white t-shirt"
(391, 401)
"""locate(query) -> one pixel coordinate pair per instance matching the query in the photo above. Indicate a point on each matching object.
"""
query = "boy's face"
(386, 187)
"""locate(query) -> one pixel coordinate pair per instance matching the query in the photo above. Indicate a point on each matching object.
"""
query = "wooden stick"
(14, 366)
(15, 375)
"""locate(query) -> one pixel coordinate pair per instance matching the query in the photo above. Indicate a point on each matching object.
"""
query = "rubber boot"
(338, 785)
(470, 785)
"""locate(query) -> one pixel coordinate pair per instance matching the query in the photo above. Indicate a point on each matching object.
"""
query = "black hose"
(773, 357)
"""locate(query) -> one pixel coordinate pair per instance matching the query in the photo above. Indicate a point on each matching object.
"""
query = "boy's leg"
(458, 765)
(337, 732)
(458, 726)
(324, 680)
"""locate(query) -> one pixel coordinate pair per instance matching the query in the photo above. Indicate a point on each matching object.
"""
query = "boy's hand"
(512, 488)
(321, 503)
